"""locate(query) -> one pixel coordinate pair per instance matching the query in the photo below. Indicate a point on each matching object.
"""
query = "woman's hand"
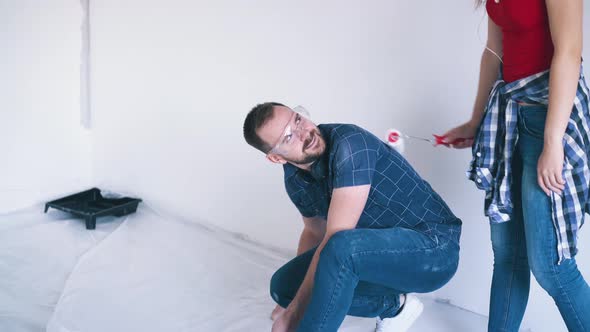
(465, 131)
(549, 168)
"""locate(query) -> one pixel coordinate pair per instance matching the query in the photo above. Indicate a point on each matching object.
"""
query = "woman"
(530, 137)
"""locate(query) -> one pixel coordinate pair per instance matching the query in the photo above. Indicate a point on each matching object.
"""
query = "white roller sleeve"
(395, 139)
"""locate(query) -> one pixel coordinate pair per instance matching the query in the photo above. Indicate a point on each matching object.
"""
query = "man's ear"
(275, 158)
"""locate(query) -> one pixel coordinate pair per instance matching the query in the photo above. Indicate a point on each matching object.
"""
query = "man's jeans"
(362, 272)
(528, 243)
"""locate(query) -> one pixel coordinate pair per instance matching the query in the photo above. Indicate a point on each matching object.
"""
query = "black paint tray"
(90, 204)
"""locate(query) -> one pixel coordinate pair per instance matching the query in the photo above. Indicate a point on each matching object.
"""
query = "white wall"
(44, 151)
(172, 82)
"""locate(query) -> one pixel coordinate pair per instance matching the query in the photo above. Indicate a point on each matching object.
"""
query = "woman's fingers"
(541, 183)
(557, 181)
(463, 144)
(550, 181)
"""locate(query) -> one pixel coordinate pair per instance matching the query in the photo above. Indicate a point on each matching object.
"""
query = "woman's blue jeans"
(528, 243)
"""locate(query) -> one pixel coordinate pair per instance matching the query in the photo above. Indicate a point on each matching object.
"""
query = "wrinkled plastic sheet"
(38, 252)
(148, 272)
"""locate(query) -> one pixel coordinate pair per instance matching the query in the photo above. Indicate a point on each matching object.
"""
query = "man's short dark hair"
(255, 119)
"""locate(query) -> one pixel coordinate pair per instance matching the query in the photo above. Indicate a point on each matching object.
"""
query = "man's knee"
(339, 248)
(279, 289)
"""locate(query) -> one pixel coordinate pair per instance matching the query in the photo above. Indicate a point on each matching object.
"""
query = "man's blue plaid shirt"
(399, 197)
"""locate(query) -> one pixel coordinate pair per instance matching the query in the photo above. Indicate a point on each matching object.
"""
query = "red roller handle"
(440, 140)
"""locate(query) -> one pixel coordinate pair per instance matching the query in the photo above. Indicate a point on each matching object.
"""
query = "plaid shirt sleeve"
(298, 193)
(355, 159)
(305, 210)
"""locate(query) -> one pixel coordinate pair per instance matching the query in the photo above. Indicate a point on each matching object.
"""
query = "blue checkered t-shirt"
(495, 142)
(399, 197)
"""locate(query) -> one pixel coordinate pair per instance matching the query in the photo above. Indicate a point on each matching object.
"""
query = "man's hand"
(286, 322)
(277, 312)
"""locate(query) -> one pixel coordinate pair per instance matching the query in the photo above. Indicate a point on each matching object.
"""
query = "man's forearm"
(346, 206)
(299, 303)
(307, 241)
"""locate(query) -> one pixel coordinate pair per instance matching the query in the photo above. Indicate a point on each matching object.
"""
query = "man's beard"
(306, 159)
(309, 158)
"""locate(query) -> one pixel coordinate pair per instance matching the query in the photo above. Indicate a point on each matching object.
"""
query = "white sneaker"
(411, 310)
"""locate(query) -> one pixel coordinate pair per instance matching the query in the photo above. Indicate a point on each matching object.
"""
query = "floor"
(150, 272)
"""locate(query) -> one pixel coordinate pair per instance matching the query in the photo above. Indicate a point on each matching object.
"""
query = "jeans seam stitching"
(515, 253)
(366, 252)
(341, 271)
(555, 275)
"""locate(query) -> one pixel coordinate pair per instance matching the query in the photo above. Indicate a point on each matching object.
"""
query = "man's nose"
(303, 134)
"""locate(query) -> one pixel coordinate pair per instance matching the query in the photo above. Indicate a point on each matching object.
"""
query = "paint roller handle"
(440, 140)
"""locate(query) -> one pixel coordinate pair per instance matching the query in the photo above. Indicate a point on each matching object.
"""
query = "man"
(374, 231)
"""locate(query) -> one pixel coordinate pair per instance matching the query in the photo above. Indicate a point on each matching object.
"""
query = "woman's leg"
(511, 278)
(564, 281)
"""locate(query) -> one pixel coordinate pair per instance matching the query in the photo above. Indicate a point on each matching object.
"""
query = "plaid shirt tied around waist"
(495, 142)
